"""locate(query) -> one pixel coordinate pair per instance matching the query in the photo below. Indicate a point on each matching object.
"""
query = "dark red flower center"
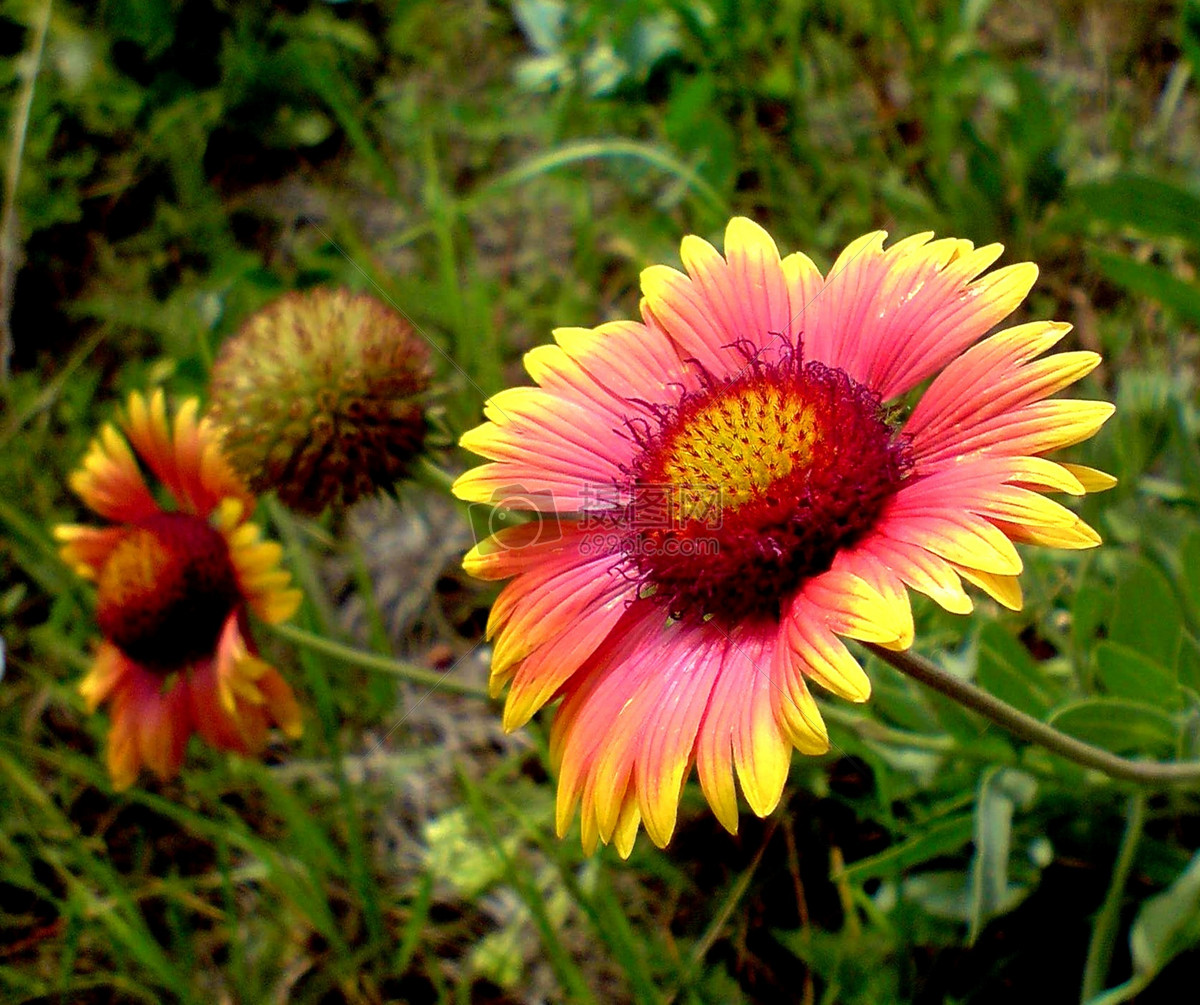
(751, 485)
(166, 592)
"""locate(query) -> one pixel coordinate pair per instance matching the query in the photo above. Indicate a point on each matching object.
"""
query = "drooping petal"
(150, 726)
(818, 652)
(564, 588)
(537, 678)
(672, 718)
(249, 691)
(920, 570)
(583, 720)
(107, 671)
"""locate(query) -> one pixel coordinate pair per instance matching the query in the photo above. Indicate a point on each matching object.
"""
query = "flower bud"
(321, 397)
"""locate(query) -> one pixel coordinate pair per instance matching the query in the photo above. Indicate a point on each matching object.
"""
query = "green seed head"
(321, 397)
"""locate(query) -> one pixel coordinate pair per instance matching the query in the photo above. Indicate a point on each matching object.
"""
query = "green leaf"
(1127, 673)
(937, 839)
(861, 970)
(1190, 33)
(1008, 671)
(1151, 281)
(947, 894)
(990, 894)
(1167, 924)
(1146, 614)
(1119, 725)
(1189, 662)
(1089, 612)
(1151, 206)
(1189, 561)
(147, 23)
(542, 22)
(902, 706)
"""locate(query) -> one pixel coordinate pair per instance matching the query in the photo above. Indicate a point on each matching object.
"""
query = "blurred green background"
(498, 169)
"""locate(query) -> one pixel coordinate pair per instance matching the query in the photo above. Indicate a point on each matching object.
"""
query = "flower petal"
(86, 549)
(109, 481)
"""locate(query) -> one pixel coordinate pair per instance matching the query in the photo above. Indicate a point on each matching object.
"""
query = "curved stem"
(381, 664)
(1028, 728)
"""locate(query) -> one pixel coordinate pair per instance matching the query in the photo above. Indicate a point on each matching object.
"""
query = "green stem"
(9, 237)
(1028, 728)
(869, 729)
(380, 664)
(308, 578)
(432, 475)
(1100, 948)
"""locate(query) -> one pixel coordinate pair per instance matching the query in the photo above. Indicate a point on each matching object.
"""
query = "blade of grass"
(569, 975)
(410, 938)
(565, 157)
(731, 900)
(360, 872)
(1104, 930)
(9, 253)
(601, 907)
(300, 887)
(606, 149)
(237, 950)
(117, 911)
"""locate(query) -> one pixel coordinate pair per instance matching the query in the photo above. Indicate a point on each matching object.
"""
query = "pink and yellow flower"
(173, 591)
(744, 486)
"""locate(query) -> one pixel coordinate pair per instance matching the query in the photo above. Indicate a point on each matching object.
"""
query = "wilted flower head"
(173, 591)
(724, 491)
(320, 396)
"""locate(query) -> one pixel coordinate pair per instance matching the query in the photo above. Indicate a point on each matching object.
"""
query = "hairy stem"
(1026, 727)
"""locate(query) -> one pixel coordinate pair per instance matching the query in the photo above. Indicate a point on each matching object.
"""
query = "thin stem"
(1100, 948)
(9, 250)
(1028, 728)
(433, 475)
(869, 729)
(307, 576)
(380, 664)
(720, 918)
